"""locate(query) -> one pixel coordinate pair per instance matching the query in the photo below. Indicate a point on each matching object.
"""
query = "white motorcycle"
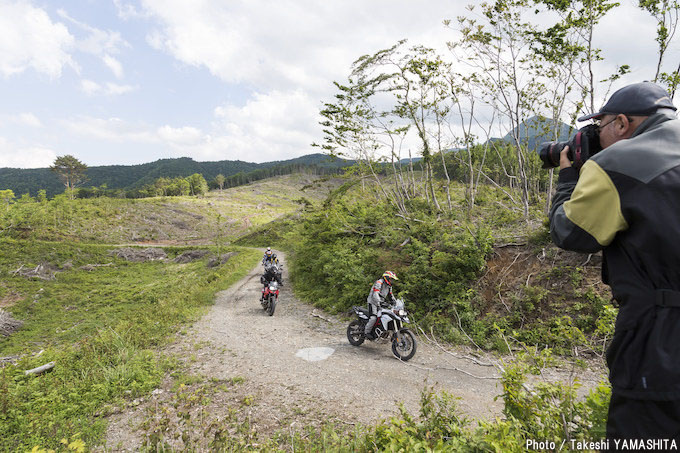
(388, 326)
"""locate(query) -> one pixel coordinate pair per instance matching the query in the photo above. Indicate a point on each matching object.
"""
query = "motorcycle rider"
(267, 255)
(271, 272)
(380, 295)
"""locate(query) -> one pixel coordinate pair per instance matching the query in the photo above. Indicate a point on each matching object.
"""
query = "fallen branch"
(436, 343)
(40, 369)
(319, 316)
(409, 218)
(11, 359)
(91, 267)
(510, 244)
(437, 367)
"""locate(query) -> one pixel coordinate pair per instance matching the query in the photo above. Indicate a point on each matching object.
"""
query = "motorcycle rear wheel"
(355, 333)
(404, 348)
(271, 306)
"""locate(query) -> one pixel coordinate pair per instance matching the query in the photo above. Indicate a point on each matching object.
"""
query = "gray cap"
(642, 98)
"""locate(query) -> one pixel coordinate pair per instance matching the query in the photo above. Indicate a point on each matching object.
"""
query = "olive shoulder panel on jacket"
(595, 205)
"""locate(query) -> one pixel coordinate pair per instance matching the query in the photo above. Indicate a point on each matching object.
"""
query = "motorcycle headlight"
(402, 312)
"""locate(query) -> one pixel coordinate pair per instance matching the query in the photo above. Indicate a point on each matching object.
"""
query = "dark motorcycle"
(389, 326)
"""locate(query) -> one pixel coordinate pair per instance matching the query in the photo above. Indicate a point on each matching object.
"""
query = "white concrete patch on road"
(315, 354)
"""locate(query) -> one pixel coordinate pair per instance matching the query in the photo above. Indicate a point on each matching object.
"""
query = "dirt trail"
(353, 384)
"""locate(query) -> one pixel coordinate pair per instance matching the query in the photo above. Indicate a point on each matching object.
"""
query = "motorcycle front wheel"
(355, 332)
(404, 345)
(271, 306)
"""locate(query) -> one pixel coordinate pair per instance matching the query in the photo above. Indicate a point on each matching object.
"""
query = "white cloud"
(29, 119)
(96, 41)
(272, 126)
(114, 89)
(113, 64)
(91, 88)
(22, 119)
(13, 156)
(180, 136)
(101, 43)
(29, 39)
(127, 11)
(114, 130)
(276, 45)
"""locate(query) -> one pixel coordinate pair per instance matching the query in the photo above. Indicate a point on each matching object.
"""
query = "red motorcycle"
(270, 295)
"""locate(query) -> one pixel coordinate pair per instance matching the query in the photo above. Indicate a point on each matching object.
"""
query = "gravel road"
(300, 360)
(365, 383)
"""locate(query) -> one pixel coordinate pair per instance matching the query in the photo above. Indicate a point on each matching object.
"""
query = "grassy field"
(103, 319)
(102, 327)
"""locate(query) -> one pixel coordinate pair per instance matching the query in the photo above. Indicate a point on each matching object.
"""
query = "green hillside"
(22, 181)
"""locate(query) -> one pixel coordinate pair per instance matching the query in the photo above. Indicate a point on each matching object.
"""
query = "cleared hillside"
(223, 215)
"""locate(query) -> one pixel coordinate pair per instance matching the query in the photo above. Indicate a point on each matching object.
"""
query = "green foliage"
(343, 247)
(6, 196)
(100, 326)
(347, 245)
(546, 411)
(197, 184)
(551, 410)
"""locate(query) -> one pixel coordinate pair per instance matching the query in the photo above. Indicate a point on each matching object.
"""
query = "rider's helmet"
(268, 252)
(389, 276)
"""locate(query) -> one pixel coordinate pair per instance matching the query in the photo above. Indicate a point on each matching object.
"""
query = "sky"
(121, 82)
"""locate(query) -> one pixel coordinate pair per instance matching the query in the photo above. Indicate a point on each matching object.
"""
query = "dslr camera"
(582, 146)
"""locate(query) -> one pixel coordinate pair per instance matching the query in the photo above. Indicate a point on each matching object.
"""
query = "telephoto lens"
(582, 146)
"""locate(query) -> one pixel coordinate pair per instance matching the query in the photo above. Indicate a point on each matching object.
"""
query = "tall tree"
(71, 171)
(6, 196)
(499, 50)
(667, 15)
(197, 184)
(414, 78)
(572, 36)
(219, 180)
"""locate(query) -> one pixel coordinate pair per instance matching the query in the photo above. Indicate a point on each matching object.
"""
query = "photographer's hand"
(564, 160)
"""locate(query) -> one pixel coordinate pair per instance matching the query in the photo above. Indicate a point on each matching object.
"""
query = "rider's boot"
(368, 329)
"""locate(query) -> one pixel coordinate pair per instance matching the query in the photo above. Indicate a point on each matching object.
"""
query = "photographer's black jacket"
(626, 202)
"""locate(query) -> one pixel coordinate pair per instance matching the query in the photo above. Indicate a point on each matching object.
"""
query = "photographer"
(625, 201)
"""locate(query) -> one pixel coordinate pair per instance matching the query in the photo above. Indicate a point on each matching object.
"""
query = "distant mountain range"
(22, 181)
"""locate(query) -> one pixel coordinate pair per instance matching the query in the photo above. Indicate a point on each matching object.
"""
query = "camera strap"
(667, 298)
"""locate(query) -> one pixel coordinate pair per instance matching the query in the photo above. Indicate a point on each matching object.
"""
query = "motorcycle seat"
(361, 310)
